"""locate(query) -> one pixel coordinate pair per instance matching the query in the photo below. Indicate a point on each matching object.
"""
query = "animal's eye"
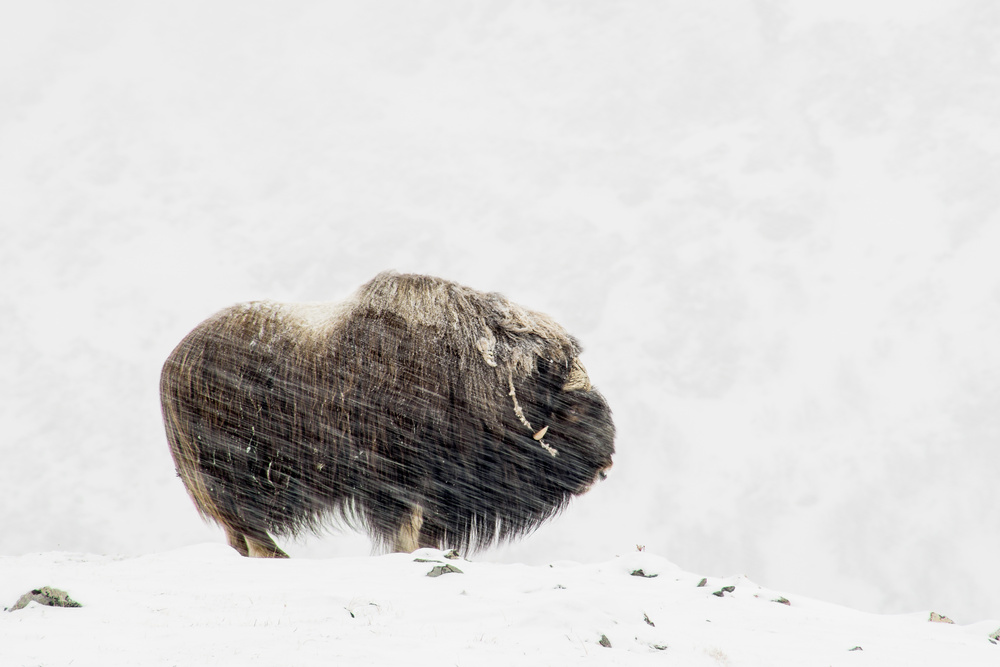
(567, 414)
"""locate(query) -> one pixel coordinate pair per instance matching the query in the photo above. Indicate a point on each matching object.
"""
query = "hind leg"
(262, 546)
(237, 541)
(253, 543)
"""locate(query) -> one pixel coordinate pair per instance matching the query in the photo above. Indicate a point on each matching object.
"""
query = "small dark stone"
(640, 573)
(452, 554)
(645, 617)
(857, 648)
(725, 589)
(783, 600)
(660, 647)
(438, 570)
(701, 584)
(604, 641)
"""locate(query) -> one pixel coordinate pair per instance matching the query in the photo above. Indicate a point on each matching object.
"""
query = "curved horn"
(578, 380)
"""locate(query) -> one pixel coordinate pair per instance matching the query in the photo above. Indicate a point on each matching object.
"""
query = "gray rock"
(51, 597)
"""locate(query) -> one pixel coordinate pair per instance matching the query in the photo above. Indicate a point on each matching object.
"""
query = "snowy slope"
(206, 605)
(773, 225)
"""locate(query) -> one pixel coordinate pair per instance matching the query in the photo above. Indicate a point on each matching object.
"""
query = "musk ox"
(425, 412)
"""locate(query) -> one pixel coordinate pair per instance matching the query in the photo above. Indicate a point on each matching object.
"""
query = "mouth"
(601, 475)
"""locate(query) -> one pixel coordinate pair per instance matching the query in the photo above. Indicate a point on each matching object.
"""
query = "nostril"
(603, 475)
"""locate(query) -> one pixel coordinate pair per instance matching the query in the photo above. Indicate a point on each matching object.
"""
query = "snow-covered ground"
(773, 225)
(205, 605)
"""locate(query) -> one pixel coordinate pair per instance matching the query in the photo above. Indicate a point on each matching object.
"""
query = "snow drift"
(207, 605)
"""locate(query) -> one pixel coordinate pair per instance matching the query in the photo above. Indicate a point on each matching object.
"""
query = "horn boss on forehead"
(424, 412)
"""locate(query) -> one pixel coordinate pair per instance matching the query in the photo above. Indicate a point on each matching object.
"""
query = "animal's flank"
(426, 412)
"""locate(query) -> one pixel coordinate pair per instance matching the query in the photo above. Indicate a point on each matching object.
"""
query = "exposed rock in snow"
(50, 597)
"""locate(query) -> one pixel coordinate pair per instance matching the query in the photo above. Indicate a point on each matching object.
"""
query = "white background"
(774, 228)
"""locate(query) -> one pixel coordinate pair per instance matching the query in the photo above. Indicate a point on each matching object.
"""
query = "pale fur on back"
(499, 340)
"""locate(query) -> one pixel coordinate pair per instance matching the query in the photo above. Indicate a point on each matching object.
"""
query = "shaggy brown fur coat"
(425, 412)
